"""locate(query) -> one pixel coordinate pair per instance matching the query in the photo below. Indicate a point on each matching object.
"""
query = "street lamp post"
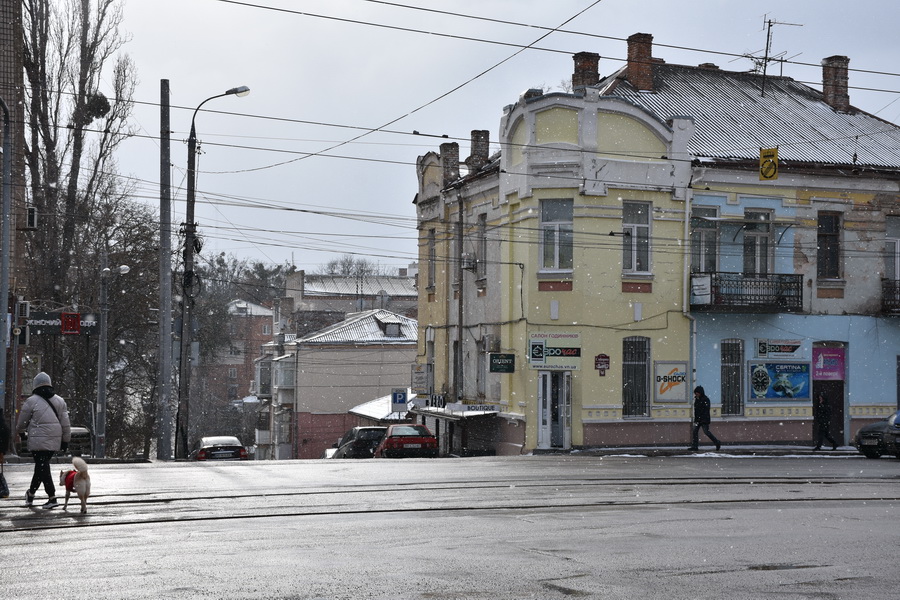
(100, 431)
(190, 230)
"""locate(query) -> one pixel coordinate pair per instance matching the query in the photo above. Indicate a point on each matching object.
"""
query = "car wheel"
(871, 452)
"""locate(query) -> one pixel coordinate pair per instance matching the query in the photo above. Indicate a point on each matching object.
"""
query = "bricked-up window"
(636, 376)
(481, 258)
(892, 248)
(828, 246)
(704, 239)
(556, 234)
(432, 257)
(732, 376)
(636, 241)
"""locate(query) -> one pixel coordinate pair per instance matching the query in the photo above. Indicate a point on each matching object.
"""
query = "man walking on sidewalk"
(702, 419)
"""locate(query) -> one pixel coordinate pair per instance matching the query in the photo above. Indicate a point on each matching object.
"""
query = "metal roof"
(344, 285)
(366, 327)
(734, 119)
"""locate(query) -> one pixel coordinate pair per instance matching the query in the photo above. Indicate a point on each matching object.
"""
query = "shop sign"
(670, 381)
(766, 348)
(421, 379)
(828, 364)
(47, 323)
(779, 380)
(502, 363)
(555, 350)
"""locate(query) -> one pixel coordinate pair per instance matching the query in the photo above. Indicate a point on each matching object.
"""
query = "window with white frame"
(892, 248)
(556, 234)
(636, 238)
(757, 242)
(704, 239)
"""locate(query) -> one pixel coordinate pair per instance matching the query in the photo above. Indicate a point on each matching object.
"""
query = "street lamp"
(187, 284)
(100, 431)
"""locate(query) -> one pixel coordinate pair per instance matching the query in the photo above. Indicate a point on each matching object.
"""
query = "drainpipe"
(686, 286)
(460, 360)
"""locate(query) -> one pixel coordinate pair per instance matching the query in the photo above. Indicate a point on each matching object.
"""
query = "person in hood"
(4, 444)
(45, 418)
(702, 419)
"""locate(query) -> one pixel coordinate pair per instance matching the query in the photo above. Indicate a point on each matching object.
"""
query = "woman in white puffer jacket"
(45, 418)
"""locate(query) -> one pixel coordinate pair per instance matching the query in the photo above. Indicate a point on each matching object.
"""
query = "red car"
(407, 441)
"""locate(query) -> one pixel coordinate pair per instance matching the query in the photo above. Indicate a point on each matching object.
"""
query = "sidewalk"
(736, 450)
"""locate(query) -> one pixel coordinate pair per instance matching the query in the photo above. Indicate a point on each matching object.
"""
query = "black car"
(880, 438)
(359, 442)
(219, 447)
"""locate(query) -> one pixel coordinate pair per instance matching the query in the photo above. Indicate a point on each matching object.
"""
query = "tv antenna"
(761, 63)
(768, 23)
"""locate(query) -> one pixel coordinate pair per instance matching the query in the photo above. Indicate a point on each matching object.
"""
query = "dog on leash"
(76, 480)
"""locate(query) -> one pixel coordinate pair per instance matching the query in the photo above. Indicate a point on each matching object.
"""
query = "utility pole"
(164, 383)
(4, 260)
(190, 240)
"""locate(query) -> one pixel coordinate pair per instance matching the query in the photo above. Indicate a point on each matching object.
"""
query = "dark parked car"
(359, 442)
(219, 447)
(407, 441)
(880, 438)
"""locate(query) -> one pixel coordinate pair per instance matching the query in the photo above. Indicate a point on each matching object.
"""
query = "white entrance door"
(554, 409)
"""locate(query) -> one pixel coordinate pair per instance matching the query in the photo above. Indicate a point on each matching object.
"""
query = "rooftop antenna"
(767, 59)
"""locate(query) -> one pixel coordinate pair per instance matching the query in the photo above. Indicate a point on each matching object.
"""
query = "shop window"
(636, 376)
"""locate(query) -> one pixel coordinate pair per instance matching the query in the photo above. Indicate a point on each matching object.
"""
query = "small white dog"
(76, 480)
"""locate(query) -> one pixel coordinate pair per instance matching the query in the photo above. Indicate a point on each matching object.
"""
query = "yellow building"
(663, 227)
(566, 267)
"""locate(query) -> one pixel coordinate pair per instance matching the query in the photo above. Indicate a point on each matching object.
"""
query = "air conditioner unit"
(469, 263)
(491, 343)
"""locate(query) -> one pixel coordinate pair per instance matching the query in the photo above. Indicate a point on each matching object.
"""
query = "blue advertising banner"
(779, 380)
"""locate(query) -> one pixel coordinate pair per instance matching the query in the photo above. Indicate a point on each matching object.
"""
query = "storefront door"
(554, 409)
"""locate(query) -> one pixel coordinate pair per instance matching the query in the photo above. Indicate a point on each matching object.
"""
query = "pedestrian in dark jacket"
(45, 418)
(4, 445)
(701, 419)
(822, 421)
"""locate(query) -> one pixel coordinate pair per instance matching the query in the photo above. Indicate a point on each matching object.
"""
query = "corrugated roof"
(366, 327)
(343, 285)
(734, 120)
(244, 308)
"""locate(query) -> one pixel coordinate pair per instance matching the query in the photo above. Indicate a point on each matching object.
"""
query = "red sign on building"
(70, 323)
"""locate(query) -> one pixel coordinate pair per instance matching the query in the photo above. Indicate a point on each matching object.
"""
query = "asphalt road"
(689, 527)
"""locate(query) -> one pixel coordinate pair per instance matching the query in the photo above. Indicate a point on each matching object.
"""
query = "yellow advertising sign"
(768, 164)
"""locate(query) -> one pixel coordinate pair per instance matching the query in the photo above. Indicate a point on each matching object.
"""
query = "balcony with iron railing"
(890, 296)
(746, 292)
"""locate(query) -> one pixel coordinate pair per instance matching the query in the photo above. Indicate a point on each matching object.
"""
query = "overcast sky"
(279, 178)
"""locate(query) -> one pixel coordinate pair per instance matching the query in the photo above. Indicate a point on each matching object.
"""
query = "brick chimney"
(450, 161)
(834, 83)
(587, 70)
(639, 71)
(481, 144)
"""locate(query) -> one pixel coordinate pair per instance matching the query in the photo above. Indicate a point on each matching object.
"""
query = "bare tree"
(354, 266)
(85, 211)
